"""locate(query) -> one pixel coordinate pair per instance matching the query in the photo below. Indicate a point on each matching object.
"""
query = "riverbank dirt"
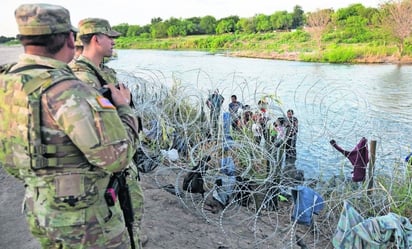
(294, 56)
(172, 221)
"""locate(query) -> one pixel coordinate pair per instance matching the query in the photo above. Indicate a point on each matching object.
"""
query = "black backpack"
(193, 181)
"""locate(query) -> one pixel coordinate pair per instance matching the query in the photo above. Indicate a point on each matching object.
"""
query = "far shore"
(294, 56)
(10, 54)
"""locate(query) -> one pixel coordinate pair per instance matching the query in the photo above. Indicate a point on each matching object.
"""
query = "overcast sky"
(141, 12)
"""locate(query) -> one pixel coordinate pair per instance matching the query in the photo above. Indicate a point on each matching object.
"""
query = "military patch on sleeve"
(104, 103)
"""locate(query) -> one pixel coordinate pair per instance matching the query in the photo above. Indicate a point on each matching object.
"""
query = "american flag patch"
(104, 103)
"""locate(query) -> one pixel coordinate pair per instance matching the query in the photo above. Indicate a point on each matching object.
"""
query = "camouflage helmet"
(96, 26)
(43, 19)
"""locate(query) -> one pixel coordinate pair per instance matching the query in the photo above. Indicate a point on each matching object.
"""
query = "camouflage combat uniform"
(98, 76)
(91, 138)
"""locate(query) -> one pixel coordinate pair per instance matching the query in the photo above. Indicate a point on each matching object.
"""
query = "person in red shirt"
(359, 157)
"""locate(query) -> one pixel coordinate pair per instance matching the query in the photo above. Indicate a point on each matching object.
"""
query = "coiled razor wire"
(175, 109)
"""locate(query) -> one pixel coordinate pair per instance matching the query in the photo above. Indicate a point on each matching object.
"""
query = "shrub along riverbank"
(296, 45)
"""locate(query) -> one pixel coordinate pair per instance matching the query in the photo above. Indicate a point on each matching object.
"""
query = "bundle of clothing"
(354, 231)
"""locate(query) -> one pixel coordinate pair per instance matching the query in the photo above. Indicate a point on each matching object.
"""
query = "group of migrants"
(353, 230)
(262, 131)
(278, 131)
(276, 136)
(69, 134)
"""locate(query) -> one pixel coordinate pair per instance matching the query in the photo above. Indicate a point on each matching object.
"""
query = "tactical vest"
(104, 77)
(21, 145)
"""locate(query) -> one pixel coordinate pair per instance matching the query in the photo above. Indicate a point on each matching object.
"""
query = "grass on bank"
(332, 50)
(12, 42)
(297, 45)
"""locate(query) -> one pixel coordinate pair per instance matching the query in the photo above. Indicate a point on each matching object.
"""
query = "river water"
(341, 102)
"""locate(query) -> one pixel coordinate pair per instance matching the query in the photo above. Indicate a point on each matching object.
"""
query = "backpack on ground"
(145, 160)
(20, 94)
(193, 181)
(243, 190)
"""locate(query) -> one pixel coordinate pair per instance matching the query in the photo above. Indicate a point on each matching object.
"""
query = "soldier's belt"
(42, 162)
(55, 155)
(54, 149)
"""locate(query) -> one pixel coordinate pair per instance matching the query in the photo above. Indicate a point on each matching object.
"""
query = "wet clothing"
(359, 158)
(214, 102)
(292, 137)
(234, 109)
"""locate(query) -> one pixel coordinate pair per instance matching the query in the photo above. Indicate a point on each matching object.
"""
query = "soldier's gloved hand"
(120, 95)
(332, 142)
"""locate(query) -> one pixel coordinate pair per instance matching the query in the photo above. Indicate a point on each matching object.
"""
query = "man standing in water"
(292, 135)
(234, 107)
(214, 102)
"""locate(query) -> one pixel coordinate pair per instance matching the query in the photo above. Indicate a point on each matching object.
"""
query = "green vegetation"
(279, 43)
(399, 191)
(348, 35)
(8, 40)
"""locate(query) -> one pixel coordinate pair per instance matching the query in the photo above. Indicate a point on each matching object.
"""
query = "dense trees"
(246, 25)
(4, 39)
(391, 22)
(227, 25)
(355, 18)
(158, 28)
(354, 23)
(208, 25)
(263, 23)
(297, 17)
(281, 20)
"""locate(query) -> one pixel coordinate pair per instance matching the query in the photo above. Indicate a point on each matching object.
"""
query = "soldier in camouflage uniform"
(97, 37)
(80, 139)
